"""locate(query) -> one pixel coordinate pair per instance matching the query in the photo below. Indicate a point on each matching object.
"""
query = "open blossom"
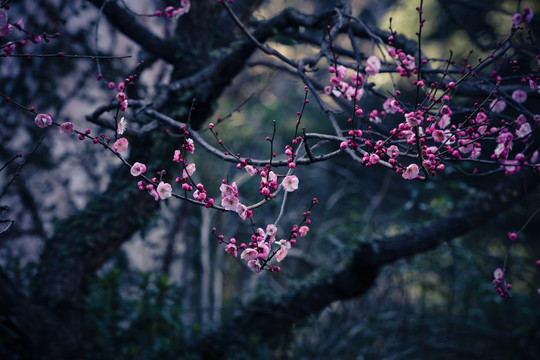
(249, 254)
(255, 266)
(373, 65)
(189, 146)
(138, 169)
(523, 130)
(188, 171)
(232, 250)
(120, 145)
(303, 230)
(242, 211)
(411, 172)
(43, 120)
(66, 128)
(121, 96)
(391, 106)
(164, 190)
(121, 126)
(497, 105)
(438, 136)
(519, 96)
(251, 170)
(290, 183)
(124, 105)
(283, 250)
(392, 151)
(230, 203)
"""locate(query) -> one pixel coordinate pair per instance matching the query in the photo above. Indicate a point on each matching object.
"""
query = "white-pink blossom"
(138, 169)
(164, 190)
(43, 120)
(120, 145)
(290, 183)
(249, 254)
(519, 96)
(373, 65)
(411, 172)
(122, 124)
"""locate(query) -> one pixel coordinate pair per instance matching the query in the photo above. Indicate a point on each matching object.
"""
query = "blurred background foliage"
(157, 293)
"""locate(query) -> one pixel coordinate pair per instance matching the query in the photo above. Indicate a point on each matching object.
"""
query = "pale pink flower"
(523, 131)
(66, 128)
(164, 190)
(271, 230)
(303, 230)
(497, 105)
(328, 90)
(272, 176)
(444, 121)
(124, 105)
(229, 190)
(188, 171)
(519, 96)
(254, 265)
(517, 19)
(373, 65)
(391, 106)
(481, 117)
(283, 250)
(138, 169)
(242, 211)
(232, 250)
(374, 159)
(251, 170)
(290, 183)
(122, 124)
(43, 120)
(498, 274)
(411, 172)
(177, 156)
(120, 145)
(189, 146)
(392, 151)
(341, 72)
(230, 203)
(438, 136)
(414, 118)
(249, 254)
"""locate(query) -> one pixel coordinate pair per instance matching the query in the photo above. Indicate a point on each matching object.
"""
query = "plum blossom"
(242, 211)
(120, 145)
(391, 106)
(411, 172)
(285, 245)
(255, 266)
(138, 169)
(392, 151)
(43, 120)
(66, 128)
(373, 65)
(497, 105)
(232, 250)
(122, 124)
(523, 130)
(230, 203)
(251, 170)
(290, 183)
(438, 136)
(271, 231)
(189, 146)
(164, 190)
(303, 230)
(527, 14)
(249, 254)
(124, 105)
(519, 96)
(188, 171)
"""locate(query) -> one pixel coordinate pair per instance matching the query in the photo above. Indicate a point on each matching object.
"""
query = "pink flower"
(392, 151)
(138, 169)
(232, 250)
(189, 146)
(414, 118)
(230, 203)
(66, 128)
(124, 105)
(188, 171)
(373, 65)
(164, 190)
(527, 14)
(251, 170)
(43, 120)
(438, 136)
(242, 211)
(283, 250)
(271, 230)
(523, 130)
(341, 72)
(177, 156)
(249, 254)
(498, 274)
(411, 172)
(303, 230)
(517, 19)
(121, 126)
(519, 96)
(391, 106)
(374, 159)
(497, 105)
(290, 183)
(121, 96)
(120, 145)
(254, 265)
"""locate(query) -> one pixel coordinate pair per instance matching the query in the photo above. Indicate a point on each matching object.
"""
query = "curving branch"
(269, 316)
